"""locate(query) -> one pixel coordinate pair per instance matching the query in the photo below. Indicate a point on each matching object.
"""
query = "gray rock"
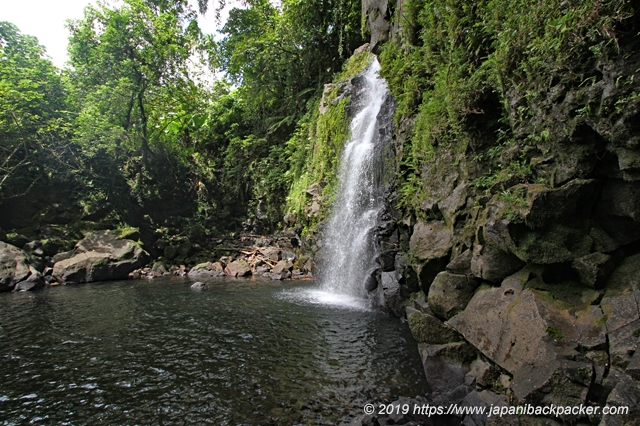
(159, 269)
(18, 240)
(446, 365)
(64, 255)
(492, 264)
(33, 281)
(602, 242)
(99, 257)
(378, 20)
(34, 248)
(453, 203)
(432, 240)
(199, 286)
(430, 330)
(406, 274)
(15, 269)
(461, 264)
(625, 392)
(633, 368)
(555, 229)
(170, 252)
(482, 374)
(288, 255)
(620, 305)
(271, 253)
(568, 203)
(535, 338)
(207, 270)
(314, 190)
(371, 283)
(485, 399)
(594, 269)
(619, 210)
(391, 293)
(282, 266)
(450, 293)
(238, 268)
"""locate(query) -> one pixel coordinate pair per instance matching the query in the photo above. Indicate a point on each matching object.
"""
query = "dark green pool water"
(243, 353)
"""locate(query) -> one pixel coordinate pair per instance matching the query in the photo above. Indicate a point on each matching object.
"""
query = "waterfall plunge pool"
(245, 352)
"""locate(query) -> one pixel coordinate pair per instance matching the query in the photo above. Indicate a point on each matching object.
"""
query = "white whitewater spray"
(349, 256)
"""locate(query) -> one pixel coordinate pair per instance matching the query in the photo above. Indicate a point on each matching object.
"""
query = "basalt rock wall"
(518, 241)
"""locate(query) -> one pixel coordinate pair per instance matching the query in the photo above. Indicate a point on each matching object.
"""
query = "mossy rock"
(428, 329)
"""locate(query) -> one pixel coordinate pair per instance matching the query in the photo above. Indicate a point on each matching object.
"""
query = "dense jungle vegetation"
(132, 133)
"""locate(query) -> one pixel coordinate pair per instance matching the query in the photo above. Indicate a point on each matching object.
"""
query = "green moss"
(483, 287)
(314, 149)
(125, 232)
(603, 322)
(555, 333)
(466, 77)
(428, 329)
(354, 65)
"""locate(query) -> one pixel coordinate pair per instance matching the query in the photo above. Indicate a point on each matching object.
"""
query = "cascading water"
(349, 247)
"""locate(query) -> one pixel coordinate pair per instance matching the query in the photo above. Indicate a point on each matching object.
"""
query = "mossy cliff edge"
(511, 240)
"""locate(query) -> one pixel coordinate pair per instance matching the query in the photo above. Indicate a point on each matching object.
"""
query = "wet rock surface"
(16, 271)
(100, 256)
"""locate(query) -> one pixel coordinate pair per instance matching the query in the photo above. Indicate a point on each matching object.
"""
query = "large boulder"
(430, 244)
(619, 211)
(238, 268)
(377, 14)
(492, 264)
(620, 306)
(450, 293)
(430, 330)
(594, 269)
(535, 337)
(390, 293)
(431, 240)
(15, 271)
(271, 253)
(551, 224)
(625, 394)
(100, 256)
(568, 203)
(207, 270)
(446, 365)
(282, 267)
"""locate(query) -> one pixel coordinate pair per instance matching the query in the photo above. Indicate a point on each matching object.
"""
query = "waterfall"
(349, 257)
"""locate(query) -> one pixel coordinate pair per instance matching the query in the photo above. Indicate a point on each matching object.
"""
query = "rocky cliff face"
(523, 250)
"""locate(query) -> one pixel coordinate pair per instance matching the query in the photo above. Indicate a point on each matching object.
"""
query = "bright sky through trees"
(45, 19)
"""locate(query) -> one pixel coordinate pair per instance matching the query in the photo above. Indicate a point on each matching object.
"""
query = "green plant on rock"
(315, 147)
(124, 231)
(555, 333)
(456, 66)
(515, 197)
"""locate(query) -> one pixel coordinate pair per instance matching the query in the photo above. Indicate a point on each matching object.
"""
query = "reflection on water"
(315, 296)
(245, 352)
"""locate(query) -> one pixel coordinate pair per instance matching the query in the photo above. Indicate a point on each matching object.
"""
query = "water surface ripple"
(243, 353)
